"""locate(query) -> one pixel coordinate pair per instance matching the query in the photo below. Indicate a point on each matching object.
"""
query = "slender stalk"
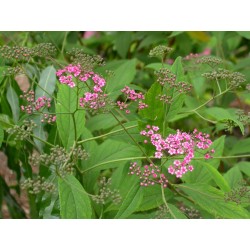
(218, 85)
(202, 105)
(41, 140)
(165, 202)
(205, 119)
(104, 135)
(117, 160)
(132, 138)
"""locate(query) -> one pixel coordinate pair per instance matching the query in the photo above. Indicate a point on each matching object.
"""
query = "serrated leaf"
(212, 200)
(131, 202)
(66, 105)
(74, 201)
(14, 103)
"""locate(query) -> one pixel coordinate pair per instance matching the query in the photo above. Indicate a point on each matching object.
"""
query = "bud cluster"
(211, 61)
(149, 174)
(162, 213)
(242, 117)
(234, 78)
(38, 105)
(22, 132)
(25, 54)
(13, 71)
(60, 158)
(160, 51)
(239, 194)
(190, 212)
(87, 62)
(106, 194)
(38, 185)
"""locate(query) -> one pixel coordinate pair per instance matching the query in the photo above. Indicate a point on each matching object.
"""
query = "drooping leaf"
(131, 202)
(244, 167)
(74, 201)
(14, 102)
(212, 200)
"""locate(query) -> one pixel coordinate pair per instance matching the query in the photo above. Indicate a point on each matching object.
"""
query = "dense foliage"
(125, 124)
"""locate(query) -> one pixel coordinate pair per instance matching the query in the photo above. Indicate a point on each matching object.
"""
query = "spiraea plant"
(143, 137)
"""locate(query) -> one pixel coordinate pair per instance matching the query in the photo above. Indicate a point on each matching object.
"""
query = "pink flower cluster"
(93, 100)
(132, 96)
(66, 75)
(181, 143)
(149, 174)
(37, 105)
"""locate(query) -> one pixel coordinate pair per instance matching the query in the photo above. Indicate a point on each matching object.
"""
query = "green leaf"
(178, 99)
(241, 147)
(217, 177)
(152, 197)
(123, 75)
(5, 121)
(74, 201)
(212, 200)
(67, 103)
(244, 167)
(155, 106)
(233, 176)
(131, 202)
(45, 87)
(245, 34)
(122, 43)
(47, 83)
(111, 150)
(221, 114)
(1, 135)
(14, 102)
(175, 107)
(175, 212)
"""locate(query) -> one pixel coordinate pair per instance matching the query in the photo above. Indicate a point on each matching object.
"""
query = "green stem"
(165, 202)
(41, 140)
(104, 135)
(140, 148)
(218, 85)
(152, 157)
(202, 105)
(202, 117)
(117, 160)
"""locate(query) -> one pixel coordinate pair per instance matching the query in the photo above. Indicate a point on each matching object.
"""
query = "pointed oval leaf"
(74, 201)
